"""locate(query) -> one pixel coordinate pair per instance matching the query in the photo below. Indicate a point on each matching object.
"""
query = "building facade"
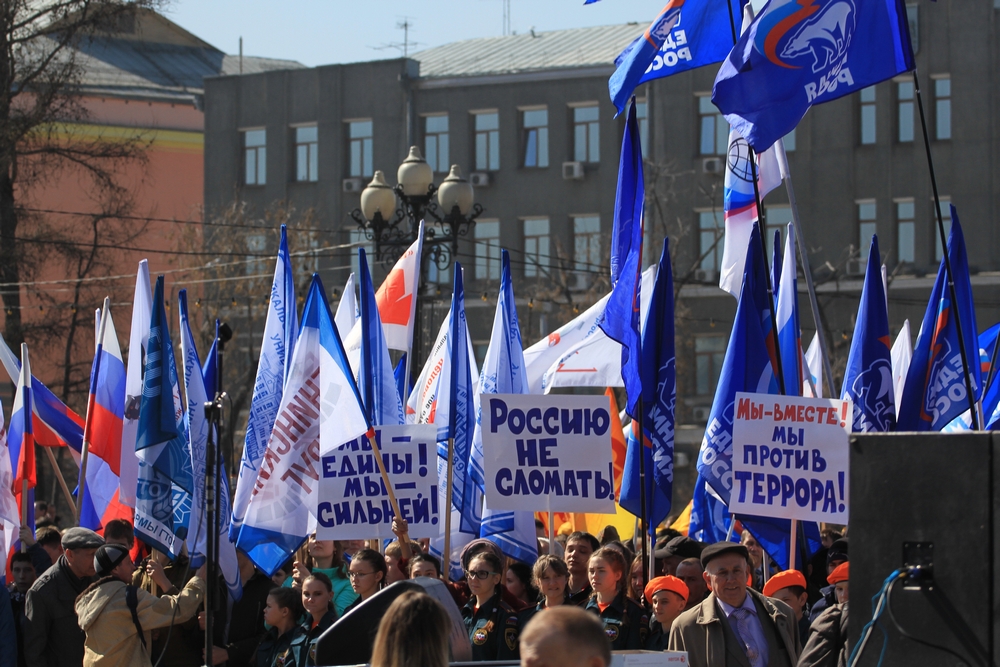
(529, 117)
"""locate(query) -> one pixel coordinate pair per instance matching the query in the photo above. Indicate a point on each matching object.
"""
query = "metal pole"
(643, 510)
(446, 556)
(947, 260)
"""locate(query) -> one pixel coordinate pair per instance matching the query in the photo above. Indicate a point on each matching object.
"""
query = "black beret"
(681, 546)
(713, 551)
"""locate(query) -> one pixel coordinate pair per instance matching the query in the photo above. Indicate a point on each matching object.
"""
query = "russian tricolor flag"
(105, 414)
(21, 444)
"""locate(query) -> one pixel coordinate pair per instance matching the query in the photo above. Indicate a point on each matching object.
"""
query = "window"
(942, 107)
(946, 219)
(360, 138)
(536, 245)
(587, 243)
(712, 229)
(788, 141)
(868, 115)
(866, 227)
(904, 96)
(436, 142)
(709, 351)
(487, 235)
(536, 137)
(714, 128)
(306, 153)
(255, 156)
(642, 115)
(586, 134)
(905, 231)
(487, 141)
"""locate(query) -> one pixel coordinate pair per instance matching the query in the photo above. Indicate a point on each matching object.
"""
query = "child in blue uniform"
(625, 622)
(491, 622)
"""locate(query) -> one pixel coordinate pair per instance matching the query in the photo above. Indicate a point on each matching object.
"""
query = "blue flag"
(934, 392)
(776, 263)
(746, 367)
(503, 372)
(621, 314)
(868, 378)
(399, 374)
(774, 536)
(281, 329)
(376, 381)
(796, 54)
(462, 411)
(683, 36)
(163, 493)
(710, 517)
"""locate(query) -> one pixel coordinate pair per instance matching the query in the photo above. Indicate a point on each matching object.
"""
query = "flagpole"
(446, 556)
(26, 413)
(61, 479)
(732, 525)
(24, 504)
(973, 413)
(644, 515)
(793, 545)
(385, 474)
(552, 531)
(88, 425)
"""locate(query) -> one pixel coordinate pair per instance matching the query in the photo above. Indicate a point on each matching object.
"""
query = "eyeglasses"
(479, 574)
(354, 575)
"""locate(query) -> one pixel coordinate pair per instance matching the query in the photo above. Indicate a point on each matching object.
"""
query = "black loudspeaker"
(930, 502)
(349, 641)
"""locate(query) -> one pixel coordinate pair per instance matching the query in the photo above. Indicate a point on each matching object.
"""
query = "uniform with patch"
(626, 624)
(493, 629)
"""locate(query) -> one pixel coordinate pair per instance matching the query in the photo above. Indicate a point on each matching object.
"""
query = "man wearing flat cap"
(52, 637)
(735, 626)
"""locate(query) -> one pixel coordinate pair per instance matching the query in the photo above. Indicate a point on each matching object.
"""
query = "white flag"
(814, 366)
(347, 310)
(900, 355)
(10, 519)
(138, 338)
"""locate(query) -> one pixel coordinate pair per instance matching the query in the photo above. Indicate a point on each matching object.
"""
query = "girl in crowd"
(284, 645)
(413, 633)
(491, 622)
(425, 565)
(367, 573)
(324, 556)
(551, 577)
(317, 599)
(625, 622)
(636, 583)
(518, 580)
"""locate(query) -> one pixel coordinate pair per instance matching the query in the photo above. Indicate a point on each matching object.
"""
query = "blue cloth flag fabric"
(787, 313)
(935, 392)
(461, 411)
(868, 380)
(281, 329)
(799, 53)
(399, 377)
(685, 34)
(503, 372)
(710, 517)
(621, 314)
(376, 381)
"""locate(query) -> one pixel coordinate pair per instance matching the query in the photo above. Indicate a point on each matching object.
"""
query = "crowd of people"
(79, 598)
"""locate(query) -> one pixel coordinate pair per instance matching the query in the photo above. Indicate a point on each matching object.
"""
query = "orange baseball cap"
(840, 573)
(784, 580)
(665, 583)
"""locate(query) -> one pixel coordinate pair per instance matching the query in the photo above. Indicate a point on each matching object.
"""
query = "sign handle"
(552, 532)
(446, 556)
(792, 545)
(384, 473)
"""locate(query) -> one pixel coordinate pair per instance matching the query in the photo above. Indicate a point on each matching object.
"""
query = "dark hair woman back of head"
(288, 598)
(413, 633)
(523, 572)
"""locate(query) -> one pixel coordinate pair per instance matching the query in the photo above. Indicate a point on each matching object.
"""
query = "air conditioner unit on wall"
(573, 171)
(701, 413)
(479, 179)
(706, 275)
(712, 165)
(353, 185)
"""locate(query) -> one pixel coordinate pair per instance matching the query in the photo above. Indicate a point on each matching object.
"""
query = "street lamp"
(392, 228)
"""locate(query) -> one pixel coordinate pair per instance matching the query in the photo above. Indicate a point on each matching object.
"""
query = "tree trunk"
(10, 271)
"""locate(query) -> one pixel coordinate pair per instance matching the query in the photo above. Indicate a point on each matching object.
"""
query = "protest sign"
(790, 457)
(354, 503)
(548, 453)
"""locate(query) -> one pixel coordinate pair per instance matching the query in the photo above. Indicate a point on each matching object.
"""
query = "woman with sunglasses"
(367, 573)
(491, 622)
(625, 622)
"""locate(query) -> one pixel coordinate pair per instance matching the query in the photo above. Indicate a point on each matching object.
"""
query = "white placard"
(353, 501)
(548, 453)
(790, 457)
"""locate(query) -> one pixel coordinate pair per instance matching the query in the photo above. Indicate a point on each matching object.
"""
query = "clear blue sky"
(320, 32)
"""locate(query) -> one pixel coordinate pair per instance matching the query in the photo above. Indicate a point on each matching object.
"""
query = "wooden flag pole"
(793, 545)
(88, 426)
(384, 473)
(552, 531)
(61, 479)
(446, 555)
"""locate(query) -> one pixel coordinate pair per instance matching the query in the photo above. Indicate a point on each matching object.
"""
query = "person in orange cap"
(667, 595)
(838, 578)
(828, 643)
(789, 586)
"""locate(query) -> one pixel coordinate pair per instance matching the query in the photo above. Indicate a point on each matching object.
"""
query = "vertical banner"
(354, 503)
(790, 457)
(548, 453)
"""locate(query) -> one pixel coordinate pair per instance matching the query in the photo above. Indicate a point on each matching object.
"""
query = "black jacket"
(827, 645)
(657, 639)
(288, 650)
(625, 623)
(493, 629)
(52, 637)
(313, 633)
(246, 623)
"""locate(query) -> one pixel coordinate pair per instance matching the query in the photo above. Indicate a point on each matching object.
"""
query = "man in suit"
(735, 626)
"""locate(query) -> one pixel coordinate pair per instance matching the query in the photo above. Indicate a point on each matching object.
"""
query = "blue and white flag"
(320, 410)
(137, 343)
(787, 316)
(461, 409)
(196, 392)
(347, 310)
(273, 367)
(166, 481)
(376, 381)
(710, 518)
(621, 314)
(868, 378)
(796, 54)
(503, 372)
(935, 391)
